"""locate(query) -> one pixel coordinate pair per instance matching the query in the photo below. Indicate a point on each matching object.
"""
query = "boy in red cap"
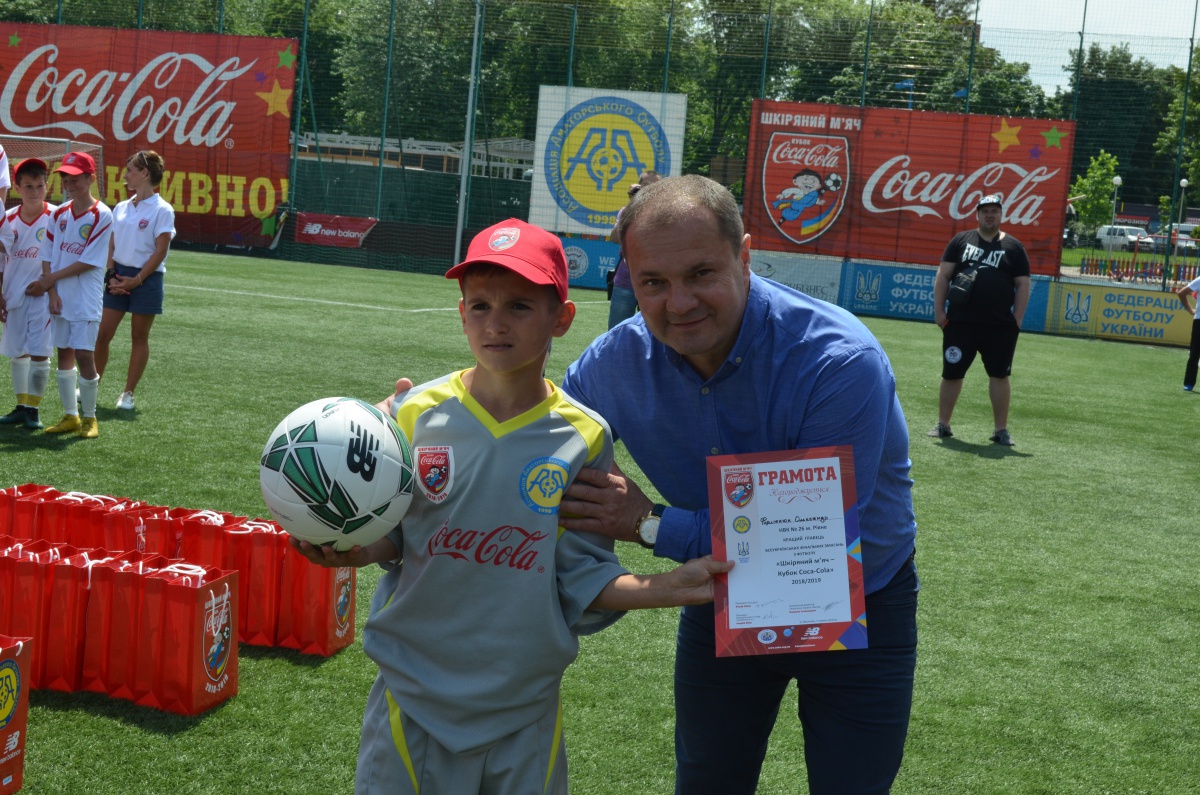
(479, 611)
(79, 235)
(26, 338)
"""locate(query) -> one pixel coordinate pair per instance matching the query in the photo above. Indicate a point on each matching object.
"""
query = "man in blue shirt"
(722, 361)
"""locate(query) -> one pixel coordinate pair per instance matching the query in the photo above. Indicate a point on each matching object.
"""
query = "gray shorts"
(397, 757)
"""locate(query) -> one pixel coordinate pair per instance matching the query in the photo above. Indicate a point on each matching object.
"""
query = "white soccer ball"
(337, 471)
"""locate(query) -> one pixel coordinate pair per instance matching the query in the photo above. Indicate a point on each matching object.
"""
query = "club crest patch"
(504, 238)
(543, 482)
(739, 487)
(218, 634)
(435, 471)
(142, 224)
(10, 691)
(341, 608)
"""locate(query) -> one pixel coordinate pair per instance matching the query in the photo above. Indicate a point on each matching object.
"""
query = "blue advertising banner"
(589, 259)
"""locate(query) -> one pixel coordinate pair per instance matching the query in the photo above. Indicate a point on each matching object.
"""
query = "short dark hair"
(669, 200)
(487, 269)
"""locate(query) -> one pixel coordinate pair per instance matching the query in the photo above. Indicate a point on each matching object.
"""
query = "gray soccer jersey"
(473, 631)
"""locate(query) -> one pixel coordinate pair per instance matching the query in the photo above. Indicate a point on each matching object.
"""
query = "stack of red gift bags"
(149, 603)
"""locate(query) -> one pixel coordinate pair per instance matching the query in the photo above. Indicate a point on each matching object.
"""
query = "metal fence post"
(667, 60)
(387, 93)
(1187, 82)
(298, 97)
(862, 100)
(762, 78)
(1079, 65)
(468, 153)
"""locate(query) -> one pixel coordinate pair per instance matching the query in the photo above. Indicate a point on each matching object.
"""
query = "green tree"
(1122, 109)
(1095, 187)
(818, 44)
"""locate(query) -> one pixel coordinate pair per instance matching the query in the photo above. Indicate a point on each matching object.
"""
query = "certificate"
(789, 521)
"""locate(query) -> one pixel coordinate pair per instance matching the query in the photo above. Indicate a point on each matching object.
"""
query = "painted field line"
(330, 303)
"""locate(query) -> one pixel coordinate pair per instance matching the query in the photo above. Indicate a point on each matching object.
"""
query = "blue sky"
(1040, 32)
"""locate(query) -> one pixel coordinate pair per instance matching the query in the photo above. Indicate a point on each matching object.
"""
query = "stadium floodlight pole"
(667, 60)
(1187, 82)
(1079, 63)
(571, 54)
(468, 153)
(1116, 184)
(299, 106)
(862, 100)
(971, 59)
(762, 78)
(387, 93)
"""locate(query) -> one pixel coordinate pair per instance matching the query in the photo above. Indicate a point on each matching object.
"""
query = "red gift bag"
(68, 517)
(113, 621)
(255, 549)
(8, 498)
(124, 528)
(30, 569)
(316, 606)
(203, 541)
(15, 657)
(27, 513)
(69, 591)
(197, 659)
(159, 531)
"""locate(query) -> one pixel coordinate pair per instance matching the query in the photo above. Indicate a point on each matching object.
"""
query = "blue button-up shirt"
(803, 373)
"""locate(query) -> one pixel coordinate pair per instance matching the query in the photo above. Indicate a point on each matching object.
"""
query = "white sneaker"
(125, 401)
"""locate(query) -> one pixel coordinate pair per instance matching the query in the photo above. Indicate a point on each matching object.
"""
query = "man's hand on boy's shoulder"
(402, 385)
(379, 551)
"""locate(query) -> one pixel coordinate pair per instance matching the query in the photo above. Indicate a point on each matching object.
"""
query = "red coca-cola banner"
(896, 185)
(344, 231)
(217, 108)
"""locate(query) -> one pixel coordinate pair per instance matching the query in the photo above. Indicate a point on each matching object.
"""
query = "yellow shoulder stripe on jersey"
(591, 431)
(423, 401)
(499, 429)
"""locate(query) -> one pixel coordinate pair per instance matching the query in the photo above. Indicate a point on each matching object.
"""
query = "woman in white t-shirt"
(143, 227)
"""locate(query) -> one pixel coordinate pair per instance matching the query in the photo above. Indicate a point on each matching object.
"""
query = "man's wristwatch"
(647, 526)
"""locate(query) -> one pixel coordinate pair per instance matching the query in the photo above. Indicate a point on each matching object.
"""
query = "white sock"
(66, 390)
(20, 377)
(88, 389)
(39, 376)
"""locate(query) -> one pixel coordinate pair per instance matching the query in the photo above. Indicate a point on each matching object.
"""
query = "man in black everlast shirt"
(988, 322)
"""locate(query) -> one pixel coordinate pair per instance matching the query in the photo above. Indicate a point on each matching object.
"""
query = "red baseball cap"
(76, 163)
(35, 161)
(522, 248)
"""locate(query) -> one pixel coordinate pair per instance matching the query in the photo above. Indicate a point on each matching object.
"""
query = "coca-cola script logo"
(141, 102)
(507, 545)
(804, 179)
(897, 187)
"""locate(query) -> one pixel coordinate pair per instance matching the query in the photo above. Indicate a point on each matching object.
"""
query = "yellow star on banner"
(1054, 137)
(278, 100)
(286, 58)
(1007, 136)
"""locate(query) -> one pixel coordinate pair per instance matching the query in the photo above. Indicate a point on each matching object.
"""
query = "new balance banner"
(217, 108)
(344, 231)
(896, 185)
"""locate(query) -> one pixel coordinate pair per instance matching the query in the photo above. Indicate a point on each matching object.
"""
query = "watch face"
(648, 529)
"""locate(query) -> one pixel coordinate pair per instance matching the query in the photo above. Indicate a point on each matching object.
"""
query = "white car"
(1124, 238)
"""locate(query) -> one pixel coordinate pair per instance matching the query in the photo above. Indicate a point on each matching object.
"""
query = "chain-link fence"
(385, 103)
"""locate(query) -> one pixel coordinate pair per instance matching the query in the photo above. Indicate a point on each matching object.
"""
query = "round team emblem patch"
(577, 261)
(741, 525)
(767, 636)
(10, 691)
(542, 484)
(504, 238)
(954, 354)
(85, 231)
(595, 150)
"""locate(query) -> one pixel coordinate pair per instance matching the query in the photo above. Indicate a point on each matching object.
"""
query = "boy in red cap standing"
(473, 632)
(79, 235)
